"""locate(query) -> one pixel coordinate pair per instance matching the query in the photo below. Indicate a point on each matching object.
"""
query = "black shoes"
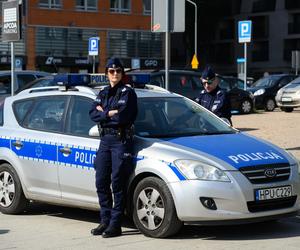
(99, 230)
(112, 232)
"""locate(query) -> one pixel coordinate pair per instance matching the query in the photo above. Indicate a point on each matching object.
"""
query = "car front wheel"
(288, 110)
(270, 105)
(246, 106)
(154, 213)
(12, 199)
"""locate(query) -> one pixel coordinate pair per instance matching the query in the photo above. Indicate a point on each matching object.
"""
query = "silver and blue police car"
(190, 166)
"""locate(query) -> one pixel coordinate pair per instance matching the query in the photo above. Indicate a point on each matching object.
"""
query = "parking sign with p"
(93, 46)
(244, 28)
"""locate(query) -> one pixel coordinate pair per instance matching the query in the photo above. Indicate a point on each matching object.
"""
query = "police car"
(190, 166)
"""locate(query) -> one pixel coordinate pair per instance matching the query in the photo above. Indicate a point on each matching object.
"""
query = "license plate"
(273, 193)
(286, 99)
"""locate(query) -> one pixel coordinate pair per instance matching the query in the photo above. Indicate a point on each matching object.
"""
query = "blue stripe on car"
(239, 150)
(78, 157)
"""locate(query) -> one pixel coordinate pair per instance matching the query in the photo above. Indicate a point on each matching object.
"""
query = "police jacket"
(120, 97)
(216, 101)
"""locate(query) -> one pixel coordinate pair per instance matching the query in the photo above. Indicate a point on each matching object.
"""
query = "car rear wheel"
(287, 109)
(246, 106)
(270, 105)
(12, 199)
(154, 213)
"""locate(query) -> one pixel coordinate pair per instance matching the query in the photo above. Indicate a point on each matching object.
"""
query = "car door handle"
(65, 150)
(17, 144)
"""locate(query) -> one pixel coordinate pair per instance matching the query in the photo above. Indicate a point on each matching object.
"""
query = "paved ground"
(281, 128)
(51, 227)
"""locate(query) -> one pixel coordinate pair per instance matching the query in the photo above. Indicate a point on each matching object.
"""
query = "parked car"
(21, 77)
(190, 166)
(188, 83)
(288, 97)
(53, 80)
(265, 90)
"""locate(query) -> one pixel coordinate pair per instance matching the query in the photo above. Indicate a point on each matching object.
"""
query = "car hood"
(253, 89)
(238, 150)
(292, 87)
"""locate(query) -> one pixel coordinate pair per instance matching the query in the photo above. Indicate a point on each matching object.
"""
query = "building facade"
(56, 34)
(275, 34)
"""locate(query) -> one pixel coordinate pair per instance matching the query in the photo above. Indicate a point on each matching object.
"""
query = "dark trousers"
(113, 164)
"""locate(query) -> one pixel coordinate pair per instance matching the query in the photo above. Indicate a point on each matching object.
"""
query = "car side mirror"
(94, 131)
(226, 120)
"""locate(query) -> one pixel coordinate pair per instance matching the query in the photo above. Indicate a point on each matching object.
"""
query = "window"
(50, 4)
(78, 121)
(47, 114)
(5, 86)
(121, 6)
(1, 111)
(86, 5)
(263, 5)
(147, 7)
(63, 41)
(135, 44)
(21, 108)
(24, 78)
(185, 84)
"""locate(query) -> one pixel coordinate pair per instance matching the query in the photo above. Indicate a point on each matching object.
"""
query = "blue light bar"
(140, 78)
(70, 80)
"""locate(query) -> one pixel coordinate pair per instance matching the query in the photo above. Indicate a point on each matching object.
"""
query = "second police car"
(191, 167)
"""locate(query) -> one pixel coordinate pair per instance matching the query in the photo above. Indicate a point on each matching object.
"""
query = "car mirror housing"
(94, 131)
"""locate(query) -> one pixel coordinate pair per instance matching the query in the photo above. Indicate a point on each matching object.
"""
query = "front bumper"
(232, 200)
(294, 101)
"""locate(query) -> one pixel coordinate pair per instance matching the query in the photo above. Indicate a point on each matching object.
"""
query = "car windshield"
(266, 82)
(175, 117)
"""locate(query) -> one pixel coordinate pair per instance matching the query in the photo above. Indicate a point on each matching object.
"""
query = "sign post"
(244, 32)
(167, 16)
(94, 49)
(11, 31)
(296, 60)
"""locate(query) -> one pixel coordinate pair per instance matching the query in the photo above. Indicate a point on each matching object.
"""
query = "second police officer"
(115, 110)
(213, 97)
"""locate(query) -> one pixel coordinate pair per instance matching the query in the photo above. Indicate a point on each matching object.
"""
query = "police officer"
(115, 110)
(213, 97)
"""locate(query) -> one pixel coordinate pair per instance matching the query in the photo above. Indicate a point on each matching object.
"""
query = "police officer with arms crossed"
(115, 108)
(213, 97)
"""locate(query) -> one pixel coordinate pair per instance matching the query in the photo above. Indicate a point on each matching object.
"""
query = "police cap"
(114, 62)
(208, 73)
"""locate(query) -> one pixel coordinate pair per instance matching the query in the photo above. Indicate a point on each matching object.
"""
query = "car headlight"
(279, 93)
(201, 171)
(297, 162)
(259, 92)
(298, 92)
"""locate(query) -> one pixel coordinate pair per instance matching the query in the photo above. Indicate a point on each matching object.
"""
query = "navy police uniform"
(217, 100)
(113, 162)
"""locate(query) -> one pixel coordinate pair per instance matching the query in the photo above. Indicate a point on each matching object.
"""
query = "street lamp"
(195, 5)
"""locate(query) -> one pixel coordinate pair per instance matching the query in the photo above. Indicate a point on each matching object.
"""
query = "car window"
(5, 87)
(21, 108)
(47, 114)
(1, 110)
(78, 120)
(266, 82)
(24, 78)
(185, 84)
(157, 80)
(175, 117)
(224, 84)
(285, 80)
(43, 83)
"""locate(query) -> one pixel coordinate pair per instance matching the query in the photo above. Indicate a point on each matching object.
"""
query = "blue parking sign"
(244, 28)
(93, 46)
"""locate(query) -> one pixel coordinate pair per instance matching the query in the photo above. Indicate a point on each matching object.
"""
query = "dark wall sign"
(63, 61)
(11, 21)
